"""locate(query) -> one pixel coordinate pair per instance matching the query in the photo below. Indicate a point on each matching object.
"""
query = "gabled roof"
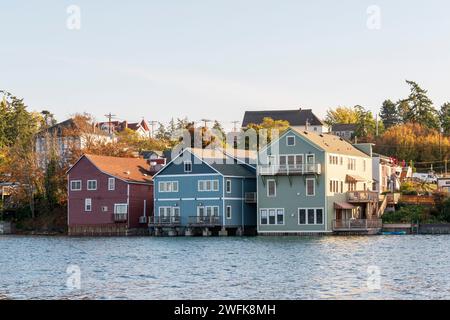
(331, 143)
(219, 161)
(127, 169)
(344, 127)
(297, 117)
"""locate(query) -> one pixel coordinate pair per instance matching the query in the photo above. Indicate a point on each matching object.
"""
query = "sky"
(214, 59)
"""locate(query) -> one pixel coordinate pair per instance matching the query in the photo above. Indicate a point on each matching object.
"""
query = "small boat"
(393, 233)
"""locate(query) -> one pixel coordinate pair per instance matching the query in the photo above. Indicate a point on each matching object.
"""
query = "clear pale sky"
(215, 59)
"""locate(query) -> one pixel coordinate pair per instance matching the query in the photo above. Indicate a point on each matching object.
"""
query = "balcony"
(362, 196)
(289, 170)
(250, 197)
(165, 221)
(205, 221)
(357, 224)
(120, 217)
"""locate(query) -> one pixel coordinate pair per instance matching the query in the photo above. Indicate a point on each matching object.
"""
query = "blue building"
(203, 191)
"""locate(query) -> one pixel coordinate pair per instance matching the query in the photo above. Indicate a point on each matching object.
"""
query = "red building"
(109, 196)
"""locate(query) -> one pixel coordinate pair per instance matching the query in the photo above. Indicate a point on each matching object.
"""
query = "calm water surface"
(412, 267)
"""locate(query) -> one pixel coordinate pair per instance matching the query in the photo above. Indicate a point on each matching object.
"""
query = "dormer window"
(290, 141)
(187, 166)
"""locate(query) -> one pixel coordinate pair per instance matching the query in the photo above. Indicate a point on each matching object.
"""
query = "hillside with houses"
(283, 172)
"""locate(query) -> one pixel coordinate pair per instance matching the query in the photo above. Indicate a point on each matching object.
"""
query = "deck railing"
(362, 196)
(205, 220)
(120, 217)
(286, 170)
(250, 197)
(165, 220)
(357, 224)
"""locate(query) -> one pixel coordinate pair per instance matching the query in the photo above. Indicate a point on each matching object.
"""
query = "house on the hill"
(301, 119)
(67, 138)
(109, 196)
(142, 128)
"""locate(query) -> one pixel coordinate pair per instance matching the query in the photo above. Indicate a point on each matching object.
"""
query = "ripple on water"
(412, 267)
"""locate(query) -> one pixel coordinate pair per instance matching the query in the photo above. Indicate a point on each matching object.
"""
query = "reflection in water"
(412, 267)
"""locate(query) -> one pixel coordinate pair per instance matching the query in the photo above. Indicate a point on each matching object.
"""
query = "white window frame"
(228, 185)
(91, 189)
(88, 202)
(111, 184)
(168, 186)
(202, 185)
(117, 205)
(310, 155)
(267, 211)
(190, 166)
(261, 216)
(268, 188)
(287, 141)
(307, 217)
(76, 181)
(229, 212)
(314, 187)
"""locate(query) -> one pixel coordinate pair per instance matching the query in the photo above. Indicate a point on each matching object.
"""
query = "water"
(412, 267)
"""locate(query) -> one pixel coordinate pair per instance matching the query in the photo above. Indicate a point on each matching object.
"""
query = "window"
(228, 212)
(342, 186)
(121, 208)
(364, 165)
(310, 216)
(301, 216)
(264, 217)
(319, 216)
(271, 188)
(187, 166)
(111, 184)
(310, 187)
(208, 185)
(92, 184)
(75, 185)
(272, 216)
(351, 164)
(290, 141)
(88, 205)
(228, 186)
(168, 186)
(334, 160)
(280, 216)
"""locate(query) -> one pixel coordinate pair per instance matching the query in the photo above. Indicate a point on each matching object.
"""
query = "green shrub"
(406, 214)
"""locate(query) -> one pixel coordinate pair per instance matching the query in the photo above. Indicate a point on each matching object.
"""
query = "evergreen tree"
(445, 118)
(219, 129)
(420, 107)
(389, 114)
(162, 133)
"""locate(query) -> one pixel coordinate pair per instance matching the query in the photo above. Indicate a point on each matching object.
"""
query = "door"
(200, 214)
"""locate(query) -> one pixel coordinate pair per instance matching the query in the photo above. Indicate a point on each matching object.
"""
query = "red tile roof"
(128, 169)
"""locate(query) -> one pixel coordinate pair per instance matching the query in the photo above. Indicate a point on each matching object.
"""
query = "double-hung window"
(310, 216)
(187, 166)
(75, 185)
(228, 186)
(228, 212)
(92, 184)
(310, 187)
(88, 205)
(271, 188)
(111, 184)
(271, 216)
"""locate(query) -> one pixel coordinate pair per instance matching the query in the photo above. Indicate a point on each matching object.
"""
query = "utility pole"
(109, 116)
(153, 123)
(235, 125)
(206, 122)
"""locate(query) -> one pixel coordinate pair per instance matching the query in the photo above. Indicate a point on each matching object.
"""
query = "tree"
(444, 116)
(219, 130)
(345, 115)
(420, 108)
(389, 114)
(264, 133)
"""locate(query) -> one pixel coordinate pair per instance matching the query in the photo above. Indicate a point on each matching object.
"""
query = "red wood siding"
(84, 170)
